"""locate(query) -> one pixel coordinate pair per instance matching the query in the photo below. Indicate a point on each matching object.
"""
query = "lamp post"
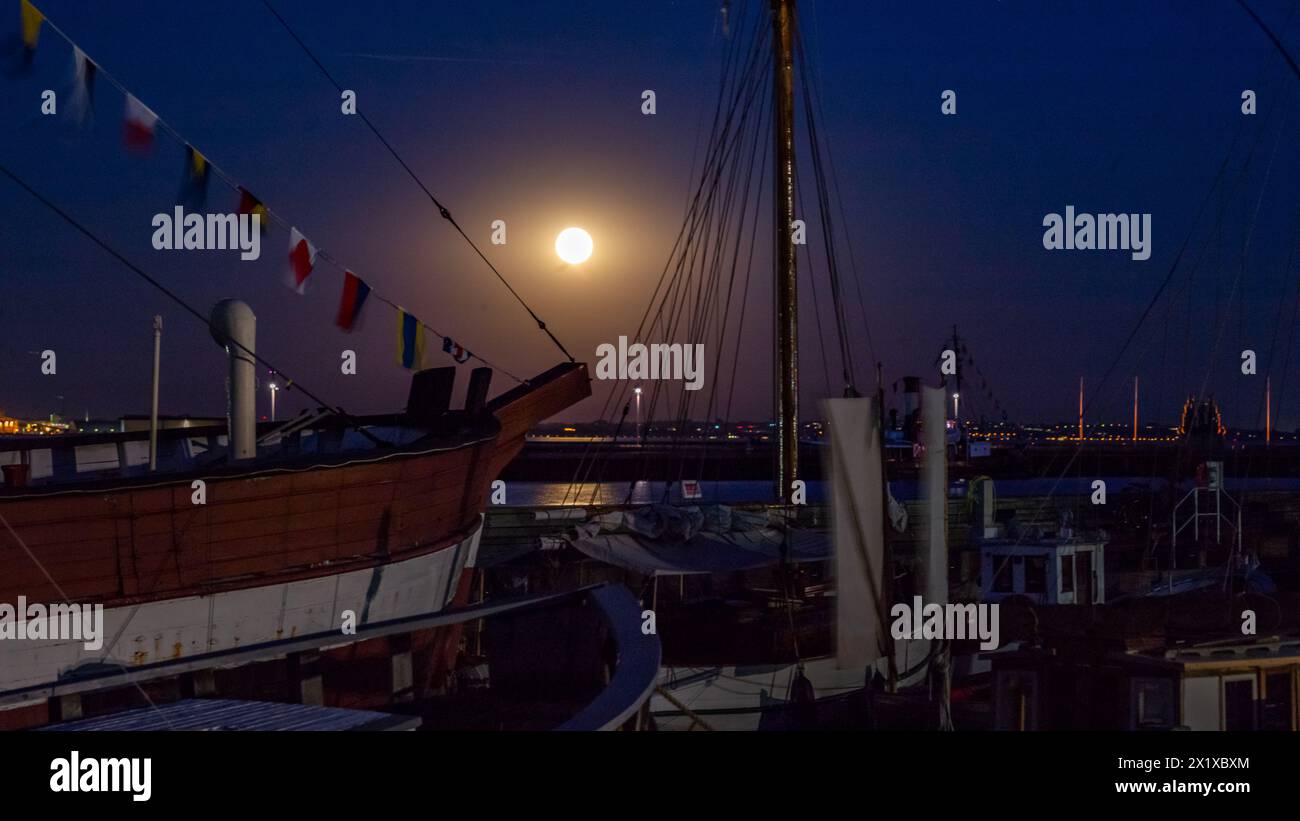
(274, 389)
(637, 391)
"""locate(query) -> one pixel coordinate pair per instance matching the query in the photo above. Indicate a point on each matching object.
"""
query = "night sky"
(530, 112)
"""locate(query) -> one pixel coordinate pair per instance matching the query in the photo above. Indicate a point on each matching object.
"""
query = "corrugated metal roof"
(230, 714)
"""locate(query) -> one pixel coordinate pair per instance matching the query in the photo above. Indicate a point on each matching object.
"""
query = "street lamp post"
(638, 414)
(274, 389)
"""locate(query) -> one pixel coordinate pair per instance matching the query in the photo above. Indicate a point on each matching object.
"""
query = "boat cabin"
(1045, 571)
(1225, 685)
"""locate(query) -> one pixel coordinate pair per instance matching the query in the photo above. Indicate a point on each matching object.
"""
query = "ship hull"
(203, 561)
(188, 626)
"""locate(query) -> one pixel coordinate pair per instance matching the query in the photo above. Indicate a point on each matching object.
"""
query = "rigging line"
(691, 225)
(1264, 398)
(727, 66)
(1074, 455)
(720, 239)
(721, 141)
(442, 209)
(848, 368)
(812, 281)
(740, 326)
(709, 223)
(699, 224)
(593, 449)
(719, 202)
(755, 161)
(1164, 284)
(699, 297)
(1241, 268)
(749, 269)
(1281, 49)
(718, 242)
(181, 302)
(991, 394)
(231, 182)
(740, 221)
(718, 154)
(813, 95)
(817, 310)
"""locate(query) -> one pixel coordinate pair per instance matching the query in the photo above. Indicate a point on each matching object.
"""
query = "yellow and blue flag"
(410, 341)
(194, 184)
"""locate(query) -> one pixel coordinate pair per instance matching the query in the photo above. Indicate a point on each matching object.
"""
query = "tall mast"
(1081, 409)
(1135, 409)
(787, 316)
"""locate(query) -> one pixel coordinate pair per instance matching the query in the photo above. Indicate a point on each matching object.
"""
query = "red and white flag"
(302, 257)
(139, 125)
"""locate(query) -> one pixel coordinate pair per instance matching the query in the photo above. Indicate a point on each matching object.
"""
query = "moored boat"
(376, 515)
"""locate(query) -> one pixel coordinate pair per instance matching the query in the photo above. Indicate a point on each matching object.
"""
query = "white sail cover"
(703, 552)
(857, 503)
(934, 566)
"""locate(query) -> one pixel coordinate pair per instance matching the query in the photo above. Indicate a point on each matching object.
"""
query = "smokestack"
(234, 327)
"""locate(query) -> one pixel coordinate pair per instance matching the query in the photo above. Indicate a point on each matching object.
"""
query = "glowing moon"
(573, 245)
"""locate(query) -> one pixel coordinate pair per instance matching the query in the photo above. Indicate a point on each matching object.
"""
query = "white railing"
(1214, 509)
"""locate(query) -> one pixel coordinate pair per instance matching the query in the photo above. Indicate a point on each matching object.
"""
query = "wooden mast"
(787, 317)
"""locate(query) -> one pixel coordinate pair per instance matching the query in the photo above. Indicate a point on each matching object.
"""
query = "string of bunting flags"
(140, 126)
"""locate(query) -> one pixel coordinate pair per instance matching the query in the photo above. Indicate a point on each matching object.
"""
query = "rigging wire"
(1241, 268)
(216, 332)
(709, 255)
(1286, 55)
(219, 171)
(812, 96)
(1214, 186)
(442, 209)
(742, 79)
(848, 371)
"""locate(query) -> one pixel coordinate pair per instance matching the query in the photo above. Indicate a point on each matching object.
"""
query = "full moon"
(573, 245)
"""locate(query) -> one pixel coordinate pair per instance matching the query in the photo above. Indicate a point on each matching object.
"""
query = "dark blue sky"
(529, 112)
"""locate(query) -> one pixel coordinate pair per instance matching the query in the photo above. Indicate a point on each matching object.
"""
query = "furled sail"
(662, 540)
(934, 565)
(857, 502)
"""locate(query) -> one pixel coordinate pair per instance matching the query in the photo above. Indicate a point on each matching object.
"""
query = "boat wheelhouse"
(1064, 570)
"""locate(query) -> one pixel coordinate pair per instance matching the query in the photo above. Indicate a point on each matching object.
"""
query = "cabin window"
(1036, 574)
(1067, 574)
(1239, 703)
(1003, 575)
(1277, 706)
(1155, 703)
